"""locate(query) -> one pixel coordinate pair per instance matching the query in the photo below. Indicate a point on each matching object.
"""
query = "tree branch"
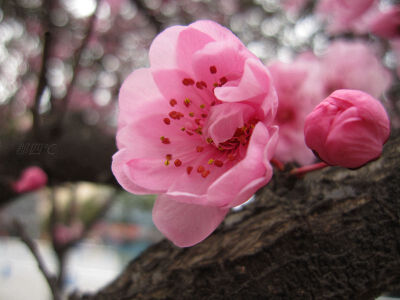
(51, 280)
(333, 234)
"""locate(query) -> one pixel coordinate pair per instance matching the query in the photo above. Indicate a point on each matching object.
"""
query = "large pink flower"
(347, 129)
(195, 128)
(353, 65)
(298, 94)
(32, 178)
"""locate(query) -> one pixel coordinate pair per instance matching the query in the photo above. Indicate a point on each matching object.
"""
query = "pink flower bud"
(32, 178)
(347, 129)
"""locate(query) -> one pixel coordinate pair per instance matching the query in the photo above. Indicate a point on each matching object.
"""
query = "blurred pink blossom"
(387, 24)
(395, 44)
(347, 129)
(32, 178)
(353, 65)
(196, 128)
(344, 15)
(298, 94)
(64, 234)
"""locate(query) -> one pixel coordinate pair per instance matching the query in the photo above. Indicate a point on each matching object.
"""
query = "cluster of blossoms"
(200, 126)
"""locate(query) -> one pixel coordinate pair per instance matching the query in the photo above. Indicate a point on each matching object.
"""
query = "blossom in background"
(345, 15)
(298, 92)
(347, 129)
(196, 128)
(353, 65)
(387, 24)
(32, 178)
(293, 6)
(395, 44)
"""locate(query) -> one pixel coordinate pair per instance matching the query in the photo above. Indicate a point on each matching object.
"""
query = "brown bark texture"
(334, 234)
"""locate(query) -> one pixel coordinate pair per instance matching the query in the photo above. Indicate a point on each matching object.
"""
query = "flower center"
(191, 114)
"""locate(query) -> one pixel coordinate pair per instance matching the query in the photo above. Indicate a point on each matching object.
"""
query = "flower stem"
(299, 172)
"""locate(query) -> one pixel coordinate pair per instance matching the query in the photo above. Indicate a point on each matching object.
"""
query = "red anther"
(167, 121)
(199, 149)
(213, 103)
(231, 156)
(197, 121)
(173, 114)
(213, 69)
(204, 116)
(200, 169)
(188, 81)
(173, 102)
(223, 80)
(177, 163)
(168, 156)
(189, 170)
(165, 140)
(191, 114)
(218, 163)
(189, 133)
(199, 85)
(205, 173)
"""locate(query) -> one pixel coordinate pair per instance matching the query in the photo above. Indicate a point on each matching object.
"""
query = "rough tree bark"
(333, 234)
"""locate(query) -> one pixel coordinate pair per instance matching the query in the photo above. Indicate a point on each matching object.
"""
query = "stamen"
(204, 116)
(166, 163)
(183, 128)
(188, 81)
(176, 115)
(189, 170)
(165, 140)
(197, 121)
(218, 163)
(202, 106)
(205, 173)
(191, 114)
(213, 69)
(223, 80)
(168, 156)
(177, 163)
(198, 130)
(189, 133)
(199, 149)
(187, 102)
(173, 102)
(209, 140)
(200, 169)
(167, 121)
(210, 161)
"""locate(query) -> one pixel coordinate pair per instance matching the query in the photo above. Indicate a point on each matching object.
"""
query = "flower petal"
(232, 188)
(225, 118)
(162, 53)
(185, 224)
(138, 89)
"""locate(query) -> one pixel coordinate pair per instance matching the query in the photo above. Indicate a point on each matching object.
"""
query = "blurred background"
(61, 65)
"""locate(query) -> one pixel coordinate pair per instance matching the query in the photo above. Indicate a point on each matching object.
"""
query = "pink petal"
(240, 182)
(162, 53)
(138, 89)
(121, 173)
(214, 30)
(185, 224)
(225, 118)
(227, 57)
(190, 40)
(255, 85)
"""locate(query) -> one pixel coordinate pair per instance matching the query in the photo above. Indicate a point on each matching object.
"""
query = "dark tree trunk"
(334, 234)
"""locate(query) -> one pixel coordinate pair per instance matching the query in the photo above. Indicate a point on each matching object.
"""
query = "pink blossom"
(347, 129)
(344, 15)
(32, 178)
(353, 65)
(196, 128)
(64, 234)
(298, 94)
(387, 24)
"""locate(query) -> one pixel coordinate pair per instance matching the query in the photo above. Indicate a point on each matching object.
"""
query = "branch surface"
(333, 234)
